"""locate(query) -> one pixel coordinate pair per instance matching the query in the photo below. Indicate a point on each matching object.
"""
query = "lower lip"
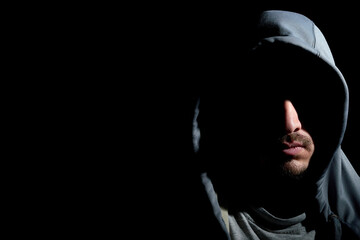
(292, 151)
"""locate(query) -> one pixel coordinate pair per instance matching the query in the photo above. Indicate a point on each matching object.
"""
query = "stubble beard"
(293, 170)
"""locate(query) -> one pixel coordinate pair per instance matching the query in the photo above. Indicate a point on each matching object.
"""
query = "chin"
(294, 169)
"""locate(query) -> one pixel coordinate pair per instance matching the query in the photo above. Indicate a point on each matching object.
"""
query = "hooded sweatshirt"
(336, 195)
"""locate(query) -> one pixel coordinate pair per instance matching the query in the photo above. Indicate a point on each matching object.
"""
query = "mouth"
(292, 148)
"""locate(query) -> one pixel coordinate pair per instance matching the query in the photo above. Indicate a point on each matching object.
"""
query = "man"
(279, 172)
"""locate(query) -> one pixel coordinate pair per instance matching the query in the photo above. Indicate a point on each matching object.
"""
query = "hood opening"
(316, 88)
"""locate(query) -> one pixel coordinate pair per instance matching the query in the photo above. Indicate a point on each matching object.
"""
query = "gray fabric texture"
(244, 226)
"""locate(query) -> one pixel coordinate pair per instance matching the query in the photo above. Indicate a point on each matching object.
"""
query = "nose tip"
(292, 122)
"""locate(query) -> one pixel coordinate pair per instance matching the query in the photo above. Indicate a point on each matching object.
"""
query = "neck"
(282, 196)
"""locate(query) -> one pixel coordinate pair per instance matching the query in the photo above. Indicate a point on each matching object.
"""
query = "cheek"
(266, 113)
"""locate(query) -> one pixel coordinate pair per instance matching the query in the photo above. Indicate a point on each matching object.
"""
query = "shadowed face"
(281, 121)
(285, 110)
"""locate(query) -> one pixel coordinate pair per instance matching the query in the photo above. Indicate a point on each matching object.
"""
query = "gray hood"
(289, 48)
(338, 185)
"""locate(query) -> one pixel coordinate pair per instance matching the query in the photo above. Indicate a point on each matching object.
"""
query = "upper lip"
(292, 144)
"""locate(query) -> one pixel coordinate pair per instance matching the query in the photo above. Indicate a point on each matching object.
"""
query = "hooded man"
(279, 171)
